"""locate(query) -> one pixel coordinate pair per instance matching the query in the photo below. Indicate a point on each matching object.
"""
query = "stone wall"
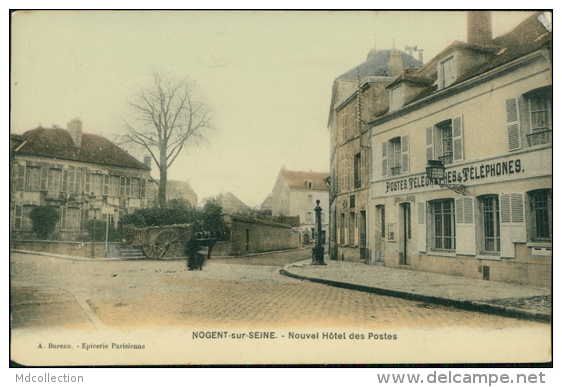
(75, 249)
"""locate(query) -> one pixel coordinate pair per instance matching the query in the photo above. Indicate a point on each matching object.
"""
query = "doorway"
(380, 235)
(405, 233)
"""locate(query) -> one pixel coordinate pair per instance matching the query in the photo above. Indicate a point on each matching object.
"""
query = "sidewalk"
(533, 303)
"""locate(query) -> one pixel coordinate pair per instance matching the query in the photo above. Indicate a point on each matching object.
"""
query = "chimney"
(74, 128)
(148, 161)
(395, 66)
(479, 27)
(420, 53)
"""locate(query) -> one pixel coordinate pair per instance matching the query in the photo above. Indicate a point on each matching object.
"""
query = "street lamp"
(435, 171)
(318, 250)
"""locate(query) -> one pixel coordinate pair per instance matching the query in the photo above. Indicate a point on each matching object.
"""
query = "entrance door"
(247, 240)
(380, 236)
(405, 233)
(363, 234)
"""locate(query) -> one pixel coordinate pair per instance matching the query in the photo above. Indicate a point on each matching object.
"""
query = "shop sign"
(400, 199)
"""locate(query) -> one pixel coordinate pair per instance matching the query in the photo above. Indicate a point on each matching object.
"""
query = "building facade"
(85, 176)
(295, 194)
(482, 109)
(357, 97)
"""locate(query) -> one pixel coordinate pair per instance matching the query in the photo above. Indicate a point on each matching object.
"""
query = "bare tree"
(168, 118)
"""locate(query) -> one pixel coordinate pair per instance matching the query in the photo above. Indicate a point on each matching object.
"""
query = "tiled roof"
(297, 180)
(231, 204)
(57, 143)
(378, 66)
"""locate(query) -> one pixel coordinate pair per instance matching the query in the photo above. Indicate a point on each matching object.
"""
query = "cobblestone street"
(164, 293)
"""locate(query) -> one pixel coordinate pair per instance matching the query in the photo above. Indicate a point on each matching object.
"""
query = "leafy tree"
(211, 216)
(96, 231)
(44, 220)
(169, 118)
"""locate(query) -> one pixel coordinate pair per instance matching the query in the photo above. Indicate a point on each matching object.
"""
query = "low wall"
(255, 236)
(76, 249)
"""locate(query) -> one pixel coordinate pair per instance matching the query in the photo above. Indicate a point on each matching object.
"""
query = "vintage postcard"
(280, 187)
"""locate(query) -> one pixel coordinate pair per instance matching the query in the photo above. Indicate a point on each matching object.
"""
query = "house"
(266, 206)
(295, 194)
(84, 175)
(482, 110)
(232, 205)
(357, 96)
(175, 189)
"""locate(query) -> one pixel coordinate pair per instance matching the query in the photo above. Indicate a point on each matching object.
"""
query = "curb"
(477, 306)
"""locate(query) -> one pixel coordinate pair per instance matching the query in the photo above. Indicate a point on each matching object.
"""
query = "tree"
(44, 220)
(169, 118)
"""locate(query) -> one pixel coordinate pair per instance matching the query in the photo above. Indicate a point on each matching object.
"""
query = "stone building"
(295, 194)
(357, 96)
(84, 175)
(482, 109)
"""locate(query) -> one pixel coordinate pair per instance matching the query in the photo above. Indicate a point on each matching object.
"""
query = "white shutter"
(512, 223)
(405, 143)
(458, 143)
(429, 143)
(513, 125)
(465, 226)
(384, 159)
(421, 234)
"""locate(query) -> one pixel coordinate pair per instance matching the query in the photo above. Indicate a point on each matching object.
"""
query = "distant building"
(267, 206)
(175, 189)
(83, 175)
(231, 205)
(357, 96)
(295, 194)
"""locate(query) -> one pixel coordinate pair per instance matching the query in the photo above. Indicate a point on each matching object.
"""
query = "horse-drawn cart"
(163, 242)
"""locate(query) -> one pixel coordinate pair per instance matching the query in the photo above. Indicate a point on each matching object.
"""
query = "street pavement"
(50, 292)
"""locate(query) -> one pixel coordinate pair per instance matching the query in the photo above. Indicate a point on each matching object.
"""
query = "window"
(396, 156)
(21, 177)
(345, 126)
(44, 178)
(396, 98)
(87, 185)
(64, 180)
(71, 179)
(357, 170)
(447, 71)
(18, 217)
(443, 224)
(383, 225)
(32, 178)
(143, 188)
(105, 184)
(135, 187)
(54, 180)
(122, 185)
(342, 229)
(541, 215)
(444, 141)
(97, 181)
(309, 217)
(490, 224)
(529, 116)
(113, 186)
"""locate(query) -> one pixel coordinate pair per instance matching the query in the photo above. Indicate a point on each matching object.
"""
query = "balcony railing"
(539, 138)
(447, 158)
(395, 171)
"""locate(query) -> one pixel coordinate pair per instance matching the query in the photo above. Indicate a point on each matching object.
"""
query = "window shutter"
(384, 159)
(87, 184)
(429, 143)
(513, 126)
(64, 180)
(422, 228)
(458, 144)
(512, 223)
(405, 142)
(465, 226)
(21, 176)
(44, 175)
(363, 161)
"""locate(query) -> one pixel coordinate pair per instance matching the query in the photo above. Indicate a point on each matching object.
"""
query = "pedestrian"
(195, 253)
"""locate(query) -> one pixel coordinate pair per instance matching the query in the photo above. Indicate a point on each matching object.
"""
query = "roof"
(528, 37)
(231, 204)
(57, 143)
(176, 187)
(297, 180)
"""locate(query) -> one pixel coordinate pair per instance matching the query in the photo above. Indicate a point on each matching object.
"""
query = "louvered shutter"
(21, 176)
(458, 143)
(363, 176)
(384, 159)
(421, 237)
(44, 175)
(512, 223)
(405, 143)
(465, 226)
(513, 125)
(429, 143)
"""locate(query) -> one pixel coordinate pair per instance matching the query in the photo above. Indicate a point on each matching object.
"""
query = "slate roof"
(528, 37)
(297, 180)
(57, 143)
(378, 66)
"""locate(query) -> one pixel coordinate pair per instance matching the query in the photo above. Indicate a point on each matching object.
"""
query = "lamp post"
(318, 250)
(436, 172)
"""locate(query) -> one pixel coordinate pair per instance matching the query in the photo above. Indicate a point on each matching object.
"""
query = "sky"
(266, 76)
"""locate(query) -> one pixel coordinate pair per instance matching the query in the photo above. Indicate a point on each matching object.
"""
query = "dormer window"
(396, 98)
(308, 184)
(447, 71)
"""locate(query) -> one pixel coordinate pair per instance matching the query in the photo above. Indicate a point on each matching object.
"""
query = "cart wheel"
(166, 244)
(149, 251)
